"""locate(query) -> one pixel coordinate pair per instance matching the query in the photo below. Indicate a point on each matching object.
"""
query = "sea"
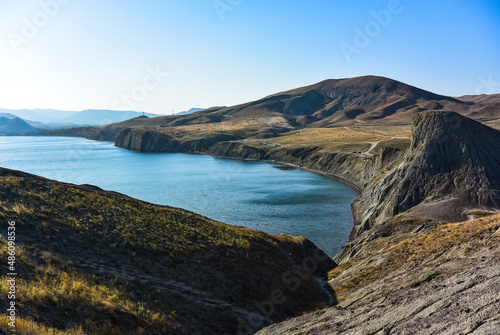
(259, 195)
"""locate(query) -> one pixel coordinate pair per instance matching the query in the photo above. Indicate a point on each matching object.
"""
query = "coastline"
(354, 204)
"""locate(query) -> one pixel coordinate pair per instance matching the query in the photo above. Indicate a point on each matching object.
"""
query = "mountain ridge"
(366, 100)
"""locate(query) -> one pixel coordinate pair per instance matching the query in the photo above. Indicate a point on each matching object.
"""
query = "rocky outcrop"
(145, 140)
(451, 167)
(451, 158)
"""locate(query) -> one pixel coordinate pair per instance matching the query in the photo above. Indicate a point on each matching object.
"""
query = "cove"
(257, 195)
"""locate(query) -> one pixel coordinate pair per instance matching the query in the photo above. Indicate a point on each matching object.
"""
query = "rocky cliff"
(353, 168)
(451, 168)
(451, 159)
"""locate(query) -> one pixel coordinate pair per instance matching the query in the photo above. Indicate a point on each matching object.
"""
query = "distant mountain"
(102, 117)
(192, 110)
(7, 115)
(482, 98)
(4, 121)
(39, 115)
(15, 126)
(51, 118)
(38, 124)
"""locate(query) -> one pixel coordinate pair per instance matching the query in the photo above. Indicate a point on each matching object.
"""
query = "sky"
(169, 56)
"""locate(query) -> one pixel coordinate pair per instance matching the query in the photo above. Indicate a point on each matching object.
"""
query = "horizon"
(163, 57)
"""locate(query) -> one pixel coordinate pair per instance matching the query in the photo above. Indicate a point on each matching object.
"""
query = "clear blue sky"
(99, 54)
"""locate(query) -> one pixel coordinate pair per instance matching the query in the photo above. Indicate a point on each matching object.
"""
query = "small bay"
(257, 195)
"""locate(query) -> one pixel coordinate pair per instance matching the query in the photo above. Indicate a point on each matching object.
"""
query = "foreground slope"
(103, 263)
(445, 280)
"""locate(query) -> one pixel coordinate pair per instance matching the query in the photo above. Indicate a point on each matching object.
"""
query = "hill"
(486, 108)
(367, 98)
(102, 263)
(482, 98)
(38, 115)
(367, 101)
(50, 118)
(15, 126)
(4, 121)
(7, 115)
(191, 110)
(101, 117)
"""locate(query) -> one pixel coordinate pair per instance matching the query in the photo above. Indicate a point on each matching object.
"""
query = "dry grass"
(56, 283)
(232, 126)
(324, 135)
(30, 327)
(11, 181)
(339, 139)
(407, 249)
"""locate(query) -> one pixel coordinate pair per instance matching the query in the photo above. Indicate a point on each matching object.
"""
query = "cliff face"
(354, 168)
(146, 141)
(150, 140)
(451, 159)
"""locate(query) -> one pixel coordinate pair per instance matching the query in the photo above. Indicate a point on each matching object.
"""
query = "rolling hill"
(15, 126)
(367, 100)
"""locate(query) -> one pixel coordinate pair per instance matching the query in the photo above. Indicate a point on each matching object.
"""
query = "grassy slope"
(108, 264)
(340, 139)
(399, 248)
(438, 279)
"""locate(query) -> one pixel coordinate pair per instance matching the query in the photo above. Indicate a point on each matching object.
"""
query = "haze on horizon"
(160, 56)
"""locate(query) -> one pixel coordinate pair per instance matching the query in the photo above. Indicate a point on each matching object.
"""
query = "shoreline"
(354, 204)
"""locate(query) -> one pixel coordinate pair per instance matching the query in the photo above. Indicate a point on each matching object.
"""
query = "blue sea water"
(257, 195)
